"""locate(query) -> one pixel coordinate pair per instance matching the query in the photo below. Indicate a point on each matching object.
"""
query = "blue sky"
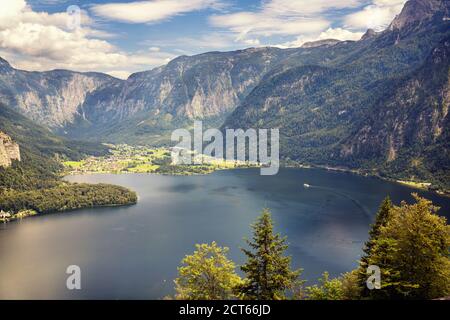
(123, 36)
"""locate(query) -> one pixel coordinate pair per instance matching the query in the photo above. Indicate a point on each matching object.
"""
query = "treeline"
(66, 196)
(41, 142)
(408, 244)
(35, 183)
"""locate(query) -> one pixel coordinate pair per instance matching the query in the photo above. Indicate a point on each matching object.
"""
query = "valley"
(359, 145)
(379, 104)
(30, 181)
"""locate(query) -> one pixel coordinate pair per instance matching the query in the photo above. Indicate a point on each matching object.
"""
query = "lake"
(133, 252)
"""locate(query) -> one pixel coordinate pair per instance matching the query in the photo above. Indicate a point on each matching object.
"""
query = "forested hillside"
(381, 107)
(34, 182)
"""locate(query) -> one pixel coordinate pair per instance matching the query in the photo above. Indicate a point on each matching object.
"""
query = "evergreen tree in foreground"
(207, 275)
(268, 271)
(381, 220)
(327, 289)
(412, 251)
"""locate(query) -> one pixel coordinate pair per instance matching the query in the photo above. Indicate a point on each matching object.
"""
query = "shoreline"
(124, 159)
(8, 217)
(19, 216)
(423, 185)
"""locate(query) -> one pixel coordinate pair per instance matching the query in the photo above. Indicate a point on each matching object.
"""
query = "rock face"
(9, 150)
(205, 86)
(416, 11)
(49, 98)
(197, 87)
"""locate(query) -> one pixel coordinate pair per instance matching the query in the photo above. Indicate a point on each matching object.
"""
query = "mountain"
(365, 107)
(355, 104)
(416, 12)
(5, 67)
(50, 98)
(370, 33)
(39, 149)
(34, 183)
(82, 105)
(146, 107)
(407, 130)
(39, 141)
(206, 86)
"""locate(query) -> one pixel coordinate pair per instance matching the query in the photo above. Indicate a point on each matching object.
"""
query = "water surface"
(133, 252)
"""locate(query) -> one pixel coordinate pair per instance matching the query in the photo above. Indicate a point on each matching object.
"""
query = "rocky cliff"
(49, 98)
(9, 150)
(419, 11)
(84, 105)
(196, 87)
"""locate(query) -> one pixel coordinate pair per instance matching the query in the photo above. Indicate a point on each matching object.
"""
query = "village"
(8, 216)
(141, 159)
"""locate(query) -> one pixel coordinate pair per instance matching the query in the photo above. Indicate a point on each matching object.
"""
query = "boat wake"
(358, 204)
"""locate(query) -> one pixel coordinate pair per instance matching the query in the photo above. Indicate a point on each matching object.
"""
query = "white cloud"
(378, 15)
(337, 34)
(50, 2)
(200, 43)
(17, 11)
(247, 23)
(120, 74)
(41, 41)
(281, 18)
(151, 11)
(305, 7)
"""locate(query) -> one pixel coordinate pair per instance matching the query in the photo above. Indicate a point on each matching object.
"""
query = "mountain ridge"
(322, 108)
(319, 96)
(417, 11)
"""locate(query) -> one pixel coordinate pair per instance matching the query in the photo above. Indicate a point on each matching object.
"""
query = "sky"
(120, 37)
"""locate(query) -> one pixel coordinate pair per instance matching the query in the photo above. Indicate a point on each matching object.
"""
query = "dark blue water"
(133, 252)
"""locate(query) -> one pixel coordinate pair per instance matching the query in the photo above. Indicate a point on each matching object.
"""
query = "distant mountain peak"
(4, 65)
(419, 10)
(370, 33)
(320, 43)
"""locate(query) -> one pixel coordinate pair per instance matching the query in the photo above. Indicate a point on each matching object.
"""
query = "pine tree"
(207, 275)
(327, 289)
(268, 272)
(350, 285)
(381, 219)
(412, 251)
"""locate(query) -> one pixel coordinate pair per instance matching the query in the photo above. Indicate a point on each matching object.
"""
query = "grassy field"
(417, 185)
(139, 159)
